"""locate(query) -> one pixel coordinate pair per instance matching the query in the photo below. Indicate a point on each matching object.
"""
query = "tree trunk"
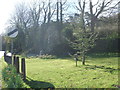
(57, 11)
(49, 13)
(92, 17)
(83, 59)
(61, 14)
(76, 63)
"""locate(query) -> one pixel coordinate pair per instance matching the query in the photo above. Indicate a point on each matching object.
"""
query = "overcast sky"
(7, 8)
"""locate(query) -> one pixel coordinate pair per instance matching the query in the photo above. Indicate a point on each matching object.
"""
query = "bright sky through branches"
(7, 8)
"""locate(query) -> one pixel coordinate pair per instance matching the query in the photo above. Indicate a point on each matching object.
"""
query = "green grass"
(0, 74)
(62, 73)
(99, 72)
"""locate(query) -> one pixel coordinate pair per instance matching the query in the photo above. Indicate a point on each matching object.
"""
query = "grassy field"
(99, 72)
(0, 74)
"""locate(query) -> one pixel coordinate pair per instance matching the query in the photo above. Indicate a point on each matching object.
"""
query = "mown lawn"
(99, 72)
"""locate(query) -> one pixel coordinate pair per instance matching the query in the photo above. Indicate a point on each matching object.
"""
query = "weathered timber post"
(23, 69)
(17, 64)
(76, 62)
(76, 58)
(14, 61)
(83, 59)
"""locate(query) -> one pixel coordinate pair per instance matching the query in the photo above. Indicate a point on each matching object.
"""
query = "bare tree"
(21, 20)
(81, 8)
(36, 14)
(100, 7)
(48, 11)
(59, 17)
(57, 11)
(60, 8)
(21, 17)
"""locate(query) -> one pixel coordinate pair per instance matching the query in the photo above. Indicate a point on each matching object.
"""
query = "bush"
(46, 56)
(11, 78)
(106, 45)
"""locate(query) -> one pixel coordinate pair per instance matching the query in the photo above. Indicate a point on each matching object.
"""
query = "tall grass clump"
(11, 78)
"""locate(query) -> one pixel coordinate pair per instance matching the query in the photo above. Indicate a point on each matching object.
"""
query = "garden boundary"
(15, 60)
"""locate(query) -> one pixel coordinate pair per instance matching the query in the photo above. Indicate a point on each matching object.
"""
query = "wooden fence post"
(23, 68)
(76, 63)
(14, 60)
(17, 64)
(76, 58)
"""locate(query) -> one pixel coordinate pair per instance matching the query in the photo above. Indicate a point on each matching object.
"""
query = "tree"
(31, 26)
(95, 10)
(108, 26)
(21, 20)
(85, 35)
(59, 19)
(83, 42)
(84, 39)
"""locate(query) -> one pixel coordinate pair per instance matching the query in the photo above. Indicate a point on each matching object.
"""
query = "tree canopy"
(44, 26)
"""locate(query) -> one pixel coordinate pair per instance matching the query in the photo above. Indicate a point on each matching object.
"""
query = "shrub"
(11, 78)
(46, 56)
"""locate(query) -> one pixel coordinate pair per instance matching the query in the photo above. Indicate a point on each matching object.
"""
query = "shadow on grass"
(38, 84)
(106, 69)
